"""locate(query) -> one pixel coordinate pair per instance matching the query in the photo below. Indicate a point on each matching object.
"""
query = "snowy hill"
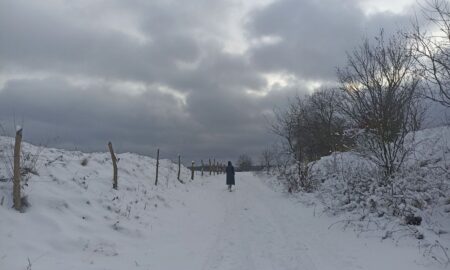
(77, 221)
(73, 207)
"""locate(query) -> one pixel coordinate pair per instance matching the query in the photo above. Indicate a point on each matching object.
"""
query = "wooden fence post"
(16, 185)
(179, 167)
(202, 167)
(214, 167)
(114, 161)
(192, 170)
(157, 167)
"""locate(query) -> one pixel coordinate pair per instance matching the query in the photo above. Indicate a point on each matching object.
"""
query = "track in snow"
(256, 228)
(250, 236)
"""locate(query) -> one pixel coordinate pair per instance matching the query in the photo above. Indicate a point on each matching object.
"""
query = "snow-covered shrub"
(416, 203)
(292, 175)
(347, 182)
(350, 181)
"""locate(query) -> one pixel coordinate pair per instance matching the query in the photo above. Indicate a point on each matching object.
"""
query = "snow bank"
(73, 208)
(348, 186)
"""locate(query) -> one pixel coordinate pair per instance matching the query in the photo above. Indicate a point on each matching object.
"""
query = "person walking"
(230, 175)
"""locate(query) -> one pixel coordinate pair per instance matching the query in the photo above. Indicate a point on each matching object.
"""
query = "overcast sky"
(194, 77)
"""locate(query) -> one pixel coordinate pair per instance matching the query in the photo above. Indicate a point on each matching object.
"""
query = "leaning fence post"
(157, 166)
(192, 170)
(114, 161)
(179, 167)
(16, 185)
(202, 166)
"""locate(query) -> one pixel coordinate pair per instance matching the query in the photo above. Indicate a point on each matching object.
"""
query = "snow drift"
(73, 208)
(417, 204)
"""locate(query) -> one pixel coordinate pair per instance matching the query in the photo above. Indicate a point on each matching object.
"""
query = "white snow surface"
(77, 221)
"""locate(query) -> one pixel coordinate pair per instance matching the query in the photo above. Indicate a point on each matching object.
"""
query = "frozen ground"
(76, 221)
(196, 226)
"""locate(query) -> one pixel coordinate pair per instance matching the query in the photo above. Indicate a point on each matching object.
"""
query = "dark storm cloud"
(35, 37)
(91, 116)
(311, 37)
(56, 112)
(193, 92)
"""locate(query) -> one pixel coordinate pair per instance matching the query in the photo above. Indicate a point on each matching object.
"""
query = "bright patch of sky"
(395, 6)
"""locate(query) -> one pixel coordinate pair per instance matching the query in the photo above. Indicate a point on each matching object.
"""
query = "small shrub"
(413, 220)
(84, 162)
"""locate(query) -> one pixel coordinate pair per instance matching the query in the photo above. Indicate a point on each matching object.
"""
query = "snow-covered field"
(77, 221)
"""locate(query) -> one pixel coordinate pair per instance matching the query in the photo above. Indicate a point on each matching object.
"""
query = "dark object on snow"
(420, 236)
(413, 220)
(230, 175)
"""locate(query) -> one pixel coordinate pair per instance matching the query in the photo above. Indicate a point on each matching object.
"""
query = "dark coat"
(230, 175)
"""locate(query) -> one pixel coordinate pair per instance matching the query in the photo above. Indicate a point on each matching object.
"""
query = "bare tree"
(267, 159)
(432, 49)
(291, 126)
(287, 124)
(312, 126)
(244, 162)
(381, 91)
(324, 122)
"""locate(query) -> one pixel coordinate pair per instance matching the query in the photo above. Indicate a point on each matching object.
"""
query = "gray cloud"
(54, 111)
(313, 36)
(69, 69)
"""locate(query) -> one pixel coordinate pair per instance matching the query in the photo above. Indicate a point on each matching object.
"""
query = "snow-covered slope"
(74, 210)
(77, 221)
(348, 185)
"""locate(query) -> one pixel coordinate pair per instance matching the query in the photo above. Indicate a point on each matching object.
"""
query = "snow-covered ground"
(348, 186)
(77, 221)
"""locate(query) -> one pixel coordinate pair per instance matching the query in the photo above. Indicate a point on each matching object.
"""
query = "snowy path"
(77, 221)
(257, 228)
(197, 226)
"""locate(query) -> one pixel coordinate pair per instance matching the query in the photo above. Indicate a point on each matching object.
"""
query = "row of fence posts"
(214, 168)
